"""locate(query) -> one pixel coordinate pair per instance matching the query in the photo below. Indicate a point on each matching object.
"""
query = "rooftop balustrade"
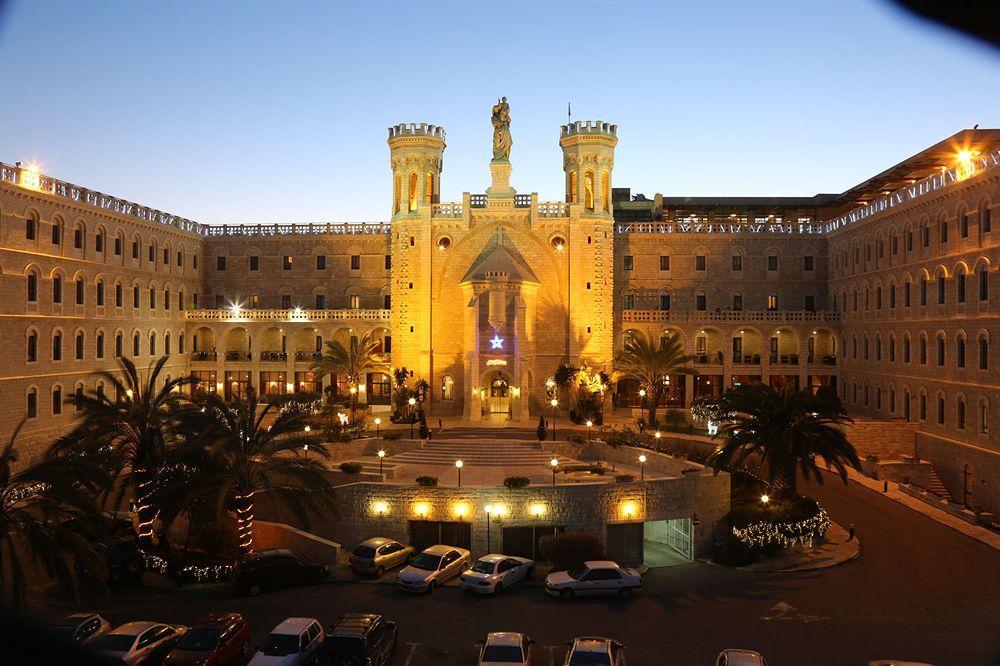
(295, 314)
(732, 316)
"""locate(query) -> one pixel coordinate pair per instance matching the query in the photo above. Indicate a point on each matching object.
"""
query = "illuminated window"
(571, 196)
(429, 188)
(588, 185)
(772, 302)
(447, 387)
(413, 192)
(606, 191)
(355, 302)
(286, 262)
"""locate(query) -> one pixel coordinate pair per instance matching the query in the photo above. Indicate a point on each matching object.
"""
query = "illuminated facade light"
(537, 510)
(629, 509)
(380, 508)
(421, 509)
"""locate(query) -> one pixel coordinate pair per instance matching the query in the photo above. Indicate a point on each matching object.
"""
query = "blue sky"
(277, 112)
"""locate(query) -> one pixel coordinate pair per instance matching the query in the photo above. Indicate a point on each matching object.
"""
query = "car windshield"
(114, 643)
(590, 659)
(576, 573)
(365, 551)
(483, 567)
(200, 639)
(278, 645)
(63, 633)
(503, 654)
(344, 646)
(426, 562)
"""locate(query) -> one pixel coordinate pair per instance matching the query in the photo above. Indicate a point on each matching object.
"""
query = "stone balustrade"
(297, 314)
(446, 210)
(353, 228)
(553, 209)
(732, 316)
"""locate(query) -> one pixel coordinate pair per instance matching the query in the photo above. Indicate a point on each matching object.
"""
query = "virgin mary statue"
(501, 130)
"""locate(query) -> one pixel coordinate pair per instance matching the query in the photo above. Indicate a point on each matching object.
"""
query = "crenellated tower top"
(416, 154)
(589, 127)
(588, 159)
(416, 129)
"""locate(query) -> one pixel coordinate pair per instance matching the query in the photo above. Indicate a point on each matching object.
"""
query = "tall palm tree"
(649, 362)
(133, 431)
(784, 431)
(349, 356)
(244, 457)
(48, 519)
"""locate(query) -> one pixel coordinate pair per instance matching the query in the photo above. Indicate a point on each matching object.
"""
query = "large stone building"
(886, 293)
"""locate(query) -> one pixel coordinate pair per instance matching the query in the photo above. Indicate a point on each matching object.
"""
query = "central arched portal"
(499, 402)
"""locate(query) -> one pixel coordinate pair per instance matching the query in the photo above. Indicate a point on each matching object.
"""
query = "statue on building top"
(501, 130)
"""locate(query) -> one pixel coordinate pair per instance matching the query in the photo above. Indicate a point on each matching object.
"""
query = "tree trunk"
(146, 507)
(244, 523)
(654, 401)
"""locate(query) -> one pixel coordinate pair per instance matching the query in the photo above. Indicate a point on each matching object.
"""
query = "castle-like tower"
(416, 156)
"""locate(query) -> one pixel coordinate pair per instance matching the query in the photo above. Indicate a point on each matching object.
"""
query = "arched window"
(31, 403)
(31, 226)
(32, 346)
(429, 188)
(57, 399)
(100, 345)
(152, 343)
(32, 287)
(57, 346)
(119, 343)
(572, 194)
(906, 348)
(135, 345)
(447, 387)
(940, 349)
(166, 343)
(960, 413)
(960, 351)
(984, 352)
(606, 191)
(79, 346)
(984, 282)
(397, 187)
(588, 190)
(413, 192)
(892, 348)
(984, 417)
(180, 342)
(923, 350)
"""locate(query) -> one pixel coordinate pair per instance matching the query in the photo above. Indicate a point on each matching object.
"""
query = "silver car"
(596, 577)
(433, 567)
(80, 628)
(139, 642)
(378, 554)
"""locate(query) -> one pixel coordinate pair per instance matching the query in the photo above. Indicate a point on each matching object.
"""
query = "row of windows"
(885, 400)
(100, 296)
(701, 262)
(100, 241)
(735, 304)
(867, 350)
(982, 292)
(288, 262)
(319, 302)
(80, 341)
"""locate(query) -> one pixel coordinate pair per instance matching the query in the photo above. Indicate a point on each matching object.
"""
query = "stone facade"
(485, 297)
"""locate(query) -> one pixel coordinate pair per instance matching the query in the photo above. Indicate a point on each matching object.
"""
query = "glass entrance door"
(499, 396)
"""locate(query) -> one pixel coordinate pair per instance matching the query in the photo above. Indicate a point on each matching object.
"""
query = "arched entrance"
(499, 397)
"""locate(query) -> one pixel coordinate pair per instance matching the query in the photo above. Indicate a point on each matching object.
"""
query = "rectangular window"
(355, 262)
(628, 262)
(286, 263)
(79, 291)
(699, 262)
(628, 302)
(321, 262)
(737, 262)
(320, 301)
(152, 253)
(387, 301)
(772, 262)
(807, 263)
(665, 262)
(29, 228)
(987, 222)
(355, 302)
(135, 249)
(772, 302)
(57, 347)
(79, 347)
(32, 348)
(32, 404)
(254, 263)
(78, 238)
(963, 225)
(57, 289)
(664, 301)
(56, 234)
(286, 301)
(99, 243)
(135, 297)
(810, 303)
(701, 302)
(119, 298)
(100, 293)
(220, 263)
(388, 261)
(737, 302)
(118, 247)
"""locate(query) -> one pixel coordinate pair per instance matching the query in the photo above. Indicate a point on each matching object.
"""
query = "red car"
(220, 638)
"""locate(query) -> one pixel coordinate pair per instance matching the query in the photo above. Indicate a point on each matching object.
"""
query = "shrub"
(541, 431)
(391, 435)
(624, 478)
(516, 481)
(427, 480)
(570, 550)
(351, 467)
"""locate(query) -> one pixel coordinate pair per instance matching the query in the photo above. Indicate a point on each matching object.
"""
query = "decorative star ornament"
(496, 342)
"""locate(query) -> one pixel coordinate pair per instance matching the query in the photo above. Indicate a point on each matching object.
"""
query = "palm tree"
(133, 432)
(244, 457)
(649, 363)
(48, 518)
(785, 431)
(349, 356)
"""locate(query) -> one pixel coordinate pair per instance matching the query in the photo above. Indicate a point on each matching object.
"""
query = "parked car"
(433, 567)
(505, 647)
(594, 651)
(273, 569)
(296, 641)
(494, 573)
(217, 639)
(733, 657)
(138, 642)
(80, 628)
(896, 662)
(378, 554)
(359, 638)
(596, 577)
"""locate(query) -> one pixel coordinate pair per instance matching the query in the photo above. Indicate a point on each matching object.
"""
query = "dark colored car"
(217, 639)
(274, 569)
(359, 638)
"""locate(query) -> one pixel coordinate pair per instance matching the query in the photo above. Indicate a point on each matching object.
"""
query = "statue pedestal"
(500, 189)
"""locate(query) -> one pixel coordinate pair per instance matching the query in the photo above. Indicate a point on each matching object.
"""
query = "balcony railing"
(824, 360)
(307, 356)
(238, 356)
(295, 314)
(446, 210)
(204, 356)
(784, 359)
(553, 209)
(273, 356)
(746, 359)
(732, 316)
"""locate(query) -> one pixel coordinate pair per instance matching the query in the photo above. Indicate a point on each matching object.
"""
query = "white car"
(503, 648)
(80, 628)
(594, 651)
(740, 658)
(138, 642)
(596, 577)
(433, 567)
(294, 642)
(495, 573)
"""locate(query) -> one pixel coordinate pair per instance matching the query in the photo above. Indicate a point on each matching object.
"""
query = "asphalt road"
(920, 591)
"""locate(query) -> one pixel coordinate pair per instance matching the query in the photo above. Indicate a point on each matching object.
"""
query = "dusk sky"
(277, 112)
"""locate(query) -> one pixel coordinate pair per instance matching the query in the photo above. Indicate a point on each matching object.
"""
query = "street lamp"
(378, 422)
(590, 424)
(764, 499)
(411, 402)
(554, 403)
(489, 511)
(657, 436)
(642, 467)
(555, 463)
(381, 457)
(458, 465)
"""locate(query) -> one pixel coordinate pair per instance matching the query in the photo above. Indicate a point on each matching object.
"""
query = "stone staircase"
(480, 452)
(936, 487)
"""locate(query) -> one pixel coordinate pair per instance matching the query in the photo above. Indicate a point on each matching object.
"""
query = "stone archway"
(498, 396)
